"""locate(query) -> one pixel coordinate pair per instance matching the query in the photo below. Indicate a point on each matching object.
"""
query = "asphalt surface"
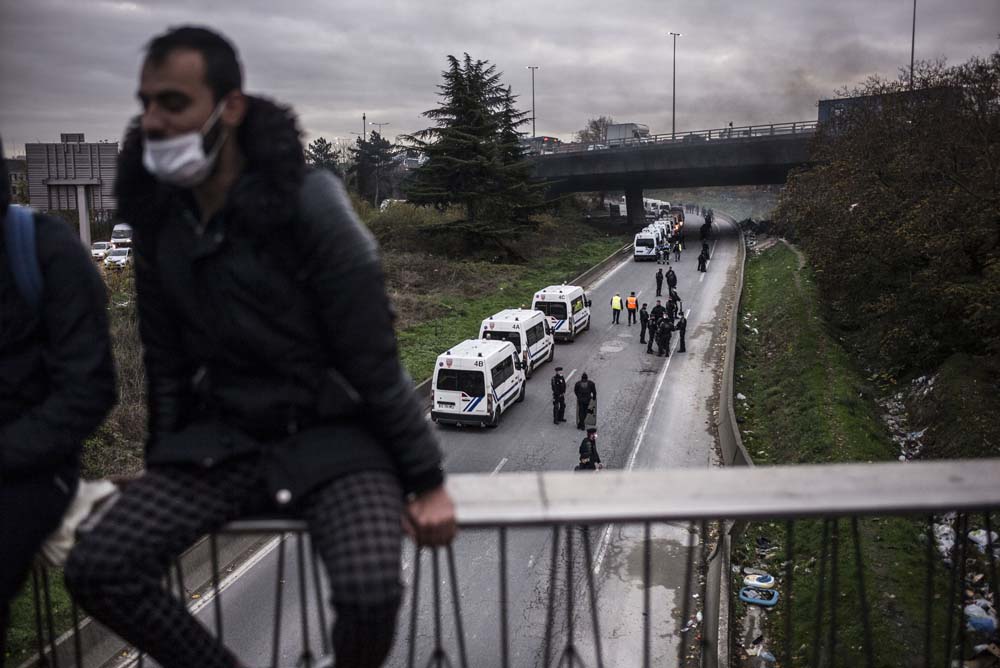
(654, 412)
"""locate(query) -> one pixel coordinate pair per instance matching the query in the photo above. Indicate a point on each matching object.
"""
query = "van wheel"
(529, 371)
(572, 336)
(520, 397)
(552, 351)
(588, 324)
(495, 420)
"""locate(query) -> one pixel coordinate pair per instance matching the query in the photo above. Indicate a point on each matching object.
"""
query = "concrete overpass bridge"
(750, 155)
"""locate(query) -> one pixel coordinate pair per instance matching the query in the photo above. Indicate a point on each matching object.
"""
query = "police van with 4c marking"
(528, 330)
(475, 382)
(567, 308)
(645, 245)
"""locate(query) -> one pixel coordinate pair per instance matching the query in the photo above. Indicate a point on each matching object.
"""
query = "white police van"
(645, 245)
(567, 308)
(475, 382)
(529, 331)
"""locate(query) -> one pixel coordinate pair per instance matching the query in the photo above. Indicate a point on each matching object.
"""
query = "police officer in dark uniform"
(659, 281)
(681, 328)
(558, 397)
(643, 323)
(671, 278)
(663, 338)
(590, 460)
(655, 315)
(585, 391)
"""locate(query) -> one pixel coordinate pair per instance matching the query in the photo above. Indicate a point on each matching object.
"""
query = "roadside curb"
(718, 606)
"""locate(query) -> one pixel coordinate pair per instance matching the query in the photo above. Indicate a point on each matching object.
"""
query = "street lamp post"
(532, 68)
(673, 96)
(913, 41)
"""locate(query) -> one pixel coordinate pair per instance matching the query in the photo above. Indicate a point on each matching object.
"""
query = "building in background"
(17, 171)
(73, 175)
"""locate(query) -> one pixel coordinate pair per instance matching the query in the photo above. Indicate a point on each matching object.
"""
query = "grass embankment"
(807, 402)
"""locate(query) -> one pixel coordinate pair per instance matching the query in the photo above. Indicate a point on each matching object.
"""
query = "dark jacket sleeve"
(168, 367)
(78, 365)
(341, 264)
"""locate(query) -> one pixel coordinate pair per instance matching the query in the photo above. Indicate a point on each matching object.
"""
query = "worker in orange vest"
(632, 306)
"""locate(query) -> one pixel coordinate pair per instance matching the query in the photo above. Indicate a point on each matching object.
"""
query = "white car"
(100, 249)
(118, 258)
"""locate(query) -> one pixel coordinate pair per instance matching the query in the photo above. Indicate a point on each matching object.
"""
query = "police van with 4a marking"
(475, 382)
(528, 330)
(567, 308)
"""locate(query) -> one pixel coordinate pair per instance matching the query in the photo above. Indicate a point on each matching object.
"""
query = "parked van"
(529, 331)
(121, 235)
(475, 382)
(645, 245)
(567, 308)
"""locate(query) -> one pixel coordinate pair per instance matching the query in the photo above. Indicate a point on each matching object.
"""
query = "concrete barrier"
(718, 608)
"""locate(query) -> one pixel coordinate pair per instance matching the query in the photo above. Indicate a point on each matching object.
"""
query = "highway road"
(654, 412)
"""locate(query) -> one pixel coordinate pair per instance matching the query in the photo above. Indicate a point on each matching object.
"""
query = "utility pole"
(532, 68)
(364, 125)
(913, 42)
(673, 96)
(378, 160)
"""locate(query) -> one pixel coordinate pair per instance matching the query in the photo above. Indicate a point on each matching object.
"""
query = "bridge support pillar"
(636, 211)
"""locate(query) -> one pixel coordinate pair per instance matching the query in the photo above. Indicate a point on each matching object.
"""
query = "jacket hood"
(263, 199)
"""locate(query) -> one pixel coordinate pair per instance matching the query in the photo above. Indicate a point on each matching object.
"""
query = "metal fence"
(707, 508)
(691, 138)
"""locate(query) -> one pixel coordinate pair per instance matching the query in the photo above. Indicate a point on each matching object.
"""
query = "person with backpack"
(590, 459)
(671, 277)
(57, 380)
(265, 392)
(586, 392)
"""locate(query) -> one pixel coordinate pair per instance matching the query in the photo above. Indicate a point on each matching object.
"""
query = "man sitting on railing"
(266, 394)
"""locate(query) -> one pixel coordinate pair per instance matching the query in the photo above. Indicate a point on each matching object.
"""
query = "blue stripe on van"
(471, 406)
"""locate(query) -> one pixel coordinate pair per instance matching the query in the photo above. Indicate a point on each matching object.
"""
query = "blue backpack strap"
(22, 253)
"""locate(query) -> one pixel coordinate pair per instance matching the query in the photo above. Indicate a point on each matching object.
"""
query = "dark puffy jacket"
(271, 331)
(585, 390)
(57, 379)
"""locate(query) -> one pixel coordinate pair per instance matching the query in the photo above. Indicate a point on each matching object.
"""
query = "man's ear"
(235, 109)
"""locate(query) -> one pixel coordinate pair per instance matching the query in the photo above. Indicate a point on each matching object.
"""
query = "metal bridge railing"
(707, 507)
(692, 137)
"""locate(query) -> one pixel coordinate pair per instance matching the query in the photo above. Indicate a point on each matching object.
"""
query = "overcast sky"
(71, 65)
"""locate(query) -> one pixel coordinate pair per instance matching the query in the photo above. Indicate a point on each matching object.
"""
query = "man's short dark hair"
(222, 65)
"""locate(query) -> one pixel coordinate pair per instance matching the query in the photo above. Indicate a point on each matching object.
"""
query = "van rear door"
(460, 391)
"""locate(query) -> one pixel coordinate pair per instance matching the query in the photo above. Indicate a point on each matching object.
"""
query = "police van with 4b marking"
(567, 308)
(476, 381)
(529, 331)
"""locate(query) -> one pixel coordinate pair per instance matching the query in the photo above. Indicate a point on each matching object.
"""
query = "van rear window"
(644, 243)
(462, 380)
(555, 309)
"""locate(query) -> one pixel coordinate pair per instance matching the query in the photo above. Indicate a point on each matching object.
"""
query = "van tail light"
(489, 402)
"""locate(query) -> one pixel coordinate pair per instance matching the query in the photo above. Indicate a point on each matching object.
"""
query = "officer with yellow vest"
(616, 309)
(632, 306)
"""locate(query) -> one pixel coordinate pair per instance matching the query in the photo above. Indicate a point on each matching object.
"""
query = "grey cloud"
(72, 64)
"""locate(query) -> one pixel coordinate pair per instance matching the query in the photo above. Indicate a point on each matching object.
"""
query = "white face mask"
(181, 160)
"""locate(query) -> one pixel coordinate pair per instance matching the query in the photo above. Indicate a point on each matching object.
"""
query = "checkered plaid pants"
(116, 571)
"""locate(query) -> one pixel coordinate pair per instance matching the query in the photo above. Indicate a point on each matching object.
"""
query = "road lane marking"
(570, 375)
(499, 466)
(602, 549)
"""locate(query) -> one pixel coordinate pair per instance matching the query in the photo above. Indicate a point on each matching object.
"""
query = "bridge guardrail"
(701, 500)
(691, 138)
